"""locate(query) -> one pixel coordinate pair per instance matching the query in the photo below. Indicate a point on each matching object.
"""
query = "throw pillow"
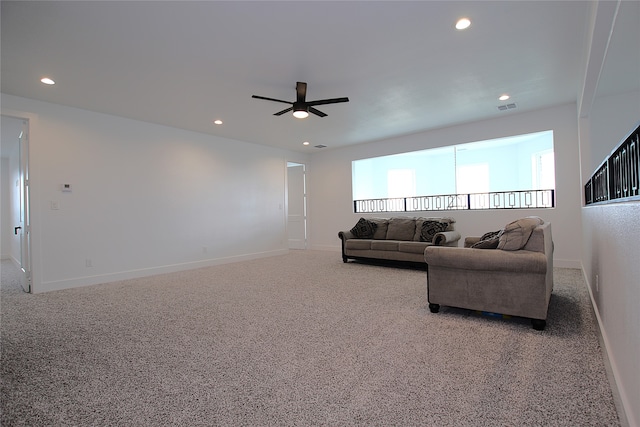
(488, 240)
(364, 229)
(516, 234)
(430, 229)
(417, 237)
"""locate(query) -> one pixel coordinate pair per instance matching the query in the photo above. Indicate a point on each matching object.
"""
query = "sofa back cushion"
(516, 234)
(381, 229)
(401, 228)
(539, 236)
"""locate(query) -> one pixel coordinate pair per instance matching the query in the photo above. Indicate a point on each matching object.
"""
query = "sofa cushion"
(384, 245)
(382, 226)
(516, 234)
(413, 247)
(358, 244)
(401, 229)
(488, 240)
(364, 229)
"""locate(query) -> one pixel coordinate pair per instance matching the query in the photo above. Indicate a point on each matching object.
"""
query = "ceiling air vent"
(320, 146)
(506, 107)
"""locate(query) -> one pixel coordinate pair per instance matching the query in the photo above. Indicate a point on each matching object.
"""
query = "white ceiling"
(402, 64)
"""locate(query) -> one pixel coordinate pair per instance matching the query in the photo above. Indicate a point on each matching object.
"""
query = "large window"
(516, 165)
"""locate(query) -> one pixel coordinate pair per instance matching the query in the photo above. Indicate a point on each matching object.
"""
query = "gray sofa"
(509, 272)
(396, 239)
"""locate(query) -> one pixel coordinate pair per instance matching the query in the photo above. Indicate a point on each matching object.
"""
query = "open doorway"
(296, 206)
(14, 196)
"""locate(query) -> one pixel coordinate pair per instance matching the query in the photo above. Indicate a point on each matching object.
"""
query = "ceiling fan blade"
(301, 91)
(279, 113)
(270, 99)
(327, 101)
(317, 112)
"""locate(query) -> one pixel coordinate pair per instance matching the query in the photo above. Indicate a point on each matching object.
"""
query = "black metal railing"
(618, 176)
(525, 199)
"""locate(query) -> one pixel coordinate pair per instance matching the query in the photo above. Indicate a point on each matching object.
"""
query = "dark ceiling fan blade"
(317, 112)
(327, 101)
(271, 99)
(301, 91)
(279, 113)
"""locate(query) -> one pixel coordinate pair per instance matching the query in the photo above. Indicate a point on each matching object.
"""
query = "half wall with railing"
(617, 178)
(526, 199)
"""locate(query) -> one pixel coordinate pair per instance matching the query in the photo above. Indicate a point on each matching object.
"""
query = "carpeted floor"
(294, 340)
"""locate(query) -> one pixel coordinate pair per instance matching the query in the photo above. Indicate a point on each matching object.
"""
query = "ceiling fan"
(301, 108)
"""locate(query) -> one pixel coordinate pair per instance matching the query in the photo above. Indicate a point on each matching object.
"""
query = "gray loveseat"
(509, 272)
(396, 239)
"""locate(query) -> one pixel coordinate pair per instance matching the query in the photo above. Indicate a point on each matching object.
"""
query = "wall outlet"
(88, 263)
(204, 249)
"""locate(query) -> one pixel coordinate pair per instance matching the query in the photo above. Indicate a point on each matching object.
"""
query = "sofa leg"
(538, 324)
(344, 259)
(434, 307)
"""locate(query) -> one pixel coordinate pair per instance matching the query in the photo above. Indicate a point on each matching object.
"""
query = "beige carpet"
(294, 340)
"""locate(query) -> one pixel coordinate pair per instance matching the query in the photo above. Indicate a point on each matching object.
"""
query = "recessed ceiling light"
(217, 122)
(504, 97)
(463, 23)
(47, 81)
(306, 143)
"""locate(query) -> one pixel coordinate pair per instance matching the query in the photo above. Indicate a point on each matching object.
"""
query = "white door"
(22, 228)
(296, 206)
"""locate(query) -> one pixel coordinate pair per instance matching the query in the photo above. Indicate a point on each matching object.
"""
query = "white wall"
(611, 118)
(611, 236)
(330, 200)
(145, 198)
(610, 250)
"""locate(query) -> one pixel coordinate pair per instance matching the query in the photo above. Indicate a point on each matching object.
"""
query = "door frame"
(292, 238)
(22, 224)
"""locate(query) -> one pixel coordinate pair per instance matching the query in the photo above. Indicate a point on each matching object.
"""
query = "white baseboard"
(144, 272)
(620, 398)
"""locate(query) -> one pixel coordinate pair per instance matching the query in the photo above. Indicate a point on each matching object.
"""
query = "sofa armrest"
(345, 235)
(470, 241)
(448, 238)
(486, 259)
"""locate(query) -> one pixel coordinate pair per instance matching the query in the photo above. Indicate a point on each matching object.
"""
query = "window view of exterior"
(507, 173)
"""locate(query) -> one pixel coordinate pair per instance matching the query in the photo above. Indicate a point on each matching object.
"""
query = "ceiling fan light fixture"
(300, 114)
